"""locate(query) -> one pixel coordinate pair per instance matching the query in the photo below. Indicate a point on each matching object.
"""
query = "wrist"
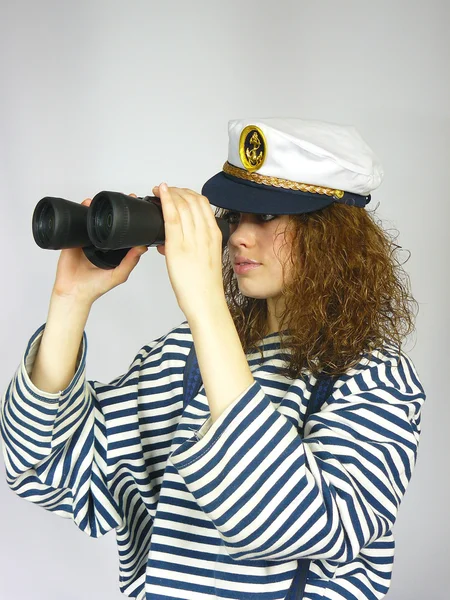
(69, 305)
(71, 301)
(216, 309)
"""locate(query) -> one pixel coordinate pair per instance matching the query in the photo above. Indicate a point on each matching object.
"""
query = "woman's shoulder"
(386, 368)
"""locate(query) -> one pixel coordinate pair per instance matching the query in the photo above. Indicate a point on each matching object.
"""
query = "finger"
(190, 215)
(208, 214)
(205, 225)
(178, 220)
(134, 195)
(204, 220)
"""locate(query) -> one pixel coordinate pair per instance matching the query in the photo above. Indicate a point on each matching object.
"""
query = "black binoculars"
(107, 229)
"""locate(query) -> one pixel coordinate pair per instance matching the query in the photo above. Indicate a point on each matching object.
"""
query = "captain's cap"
(287, 165)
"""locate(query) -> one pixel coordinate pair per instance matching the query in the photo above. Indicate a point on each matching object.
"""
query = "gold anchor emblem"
(252, 148)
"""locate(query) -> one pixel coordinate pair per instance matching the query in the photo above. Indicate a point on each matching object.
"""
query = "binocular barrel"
(105, 230)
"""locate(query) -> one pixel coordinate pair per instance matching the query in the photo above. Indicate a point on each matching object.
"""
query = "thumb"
(128, 263)
(138, 251)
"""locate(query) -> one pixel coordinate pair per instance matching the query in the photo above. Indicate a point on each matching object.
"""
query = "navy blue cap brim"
(225, 191)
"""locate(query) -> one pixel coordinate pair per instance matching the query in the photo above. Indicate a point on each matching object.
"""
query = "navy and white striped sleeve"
(275, 496)
(55, 444)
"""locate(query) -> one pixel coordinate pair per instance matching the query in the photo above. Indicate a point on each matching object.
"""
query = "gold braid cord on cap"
(277, 182)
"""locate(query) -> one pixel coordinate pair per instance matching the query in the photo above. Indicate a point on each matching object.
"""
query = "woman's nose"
(241, 235)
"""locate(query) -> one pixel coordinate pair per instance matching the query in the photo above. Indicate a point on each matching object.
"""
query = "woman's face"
(260, 238)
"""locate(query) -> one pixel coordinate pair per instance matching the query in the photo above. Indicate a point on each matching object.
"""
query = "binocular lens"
(45, 224)
(103, 219)
(59, 223)
(118, 221)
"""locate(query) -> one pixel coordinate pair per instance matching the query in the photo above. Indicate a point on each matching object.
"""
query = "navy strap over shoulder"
(192, 378)
(192, 381)
(321, 391)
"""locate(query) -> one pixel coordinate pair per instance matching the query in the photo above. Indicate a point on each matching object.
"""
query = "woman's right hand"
(77, 277)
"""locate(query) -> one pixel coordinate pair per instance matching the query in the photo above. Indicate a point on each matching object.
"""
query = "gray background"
(121, 96)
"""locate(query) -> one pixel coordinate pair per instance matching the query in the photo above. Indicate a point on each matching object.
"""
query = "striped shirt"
(208, 510)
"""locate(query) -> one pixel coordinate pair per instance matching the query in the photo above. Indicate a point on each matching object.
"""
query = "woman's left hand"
(193, 249)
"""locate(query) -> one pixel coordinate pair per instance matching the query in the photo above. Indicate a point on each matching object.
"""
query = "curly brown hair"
(348, 294)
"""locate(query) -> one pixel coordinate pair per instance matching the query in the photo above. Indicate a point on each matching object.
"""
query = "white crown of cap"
(312, 152)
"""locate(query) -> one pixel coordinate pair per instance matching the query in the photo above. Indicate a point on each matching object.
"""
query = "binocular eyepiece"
(105, 230)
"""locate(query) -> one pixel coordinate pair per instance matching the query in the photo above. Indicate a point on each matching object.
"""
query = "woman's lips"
(239, 269)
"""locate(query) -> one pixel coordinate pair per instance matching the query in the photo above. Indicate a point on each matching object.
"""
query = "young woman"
(223, 497)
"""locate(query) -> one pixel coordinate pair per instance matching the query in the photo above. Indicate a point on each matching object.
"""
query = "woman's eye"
(231, 217)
